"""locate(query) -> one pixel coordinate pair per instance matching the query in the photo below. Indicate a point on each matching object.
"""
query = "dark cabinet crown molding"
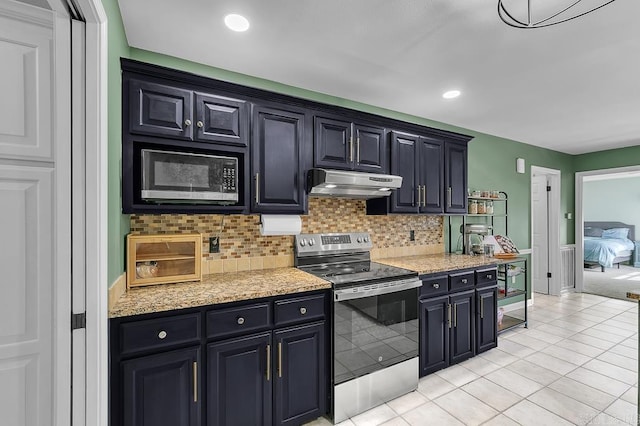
(255, 94)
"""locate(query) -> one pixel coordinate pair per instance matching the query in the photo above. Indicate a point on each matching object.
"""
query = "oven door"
(374, 328)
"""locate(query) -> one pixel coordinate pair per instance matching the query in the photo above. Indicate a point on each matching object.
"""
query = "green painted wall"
(491, 159)
(608, 159)
(117, 223)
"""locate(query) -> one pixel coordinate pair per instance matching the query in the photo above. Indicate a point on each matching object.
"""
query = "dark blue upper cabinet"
(277, 162)
(160, 110)
(431, 169)
(404, 152)
(162, 389)
(300, 382)
(455, 161)
(342, 144)
(239, 378)
(221, 120)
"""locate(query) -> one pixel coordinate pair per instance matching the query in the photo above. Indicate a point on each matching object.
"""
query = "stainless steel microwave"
(186, 177)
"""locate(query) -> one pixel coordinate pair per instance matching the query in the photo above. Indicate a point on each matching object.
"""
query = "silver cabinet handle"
(240, 320)
(257, 188)
(419, 196)
(195, 381)
(351, 150)
(303, 310)
(200, 124)
(358, 150)
(162, 335)
(449, 197)
(481, 308)
(268, 362)
(436, 285)
(463, 281)
(187, 122)
(455, 315)
(424, 195)
(449, 314)
(279, 359)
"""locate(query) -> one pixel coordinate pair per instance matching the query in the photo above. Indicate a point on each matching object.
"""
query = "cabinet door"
(434, 339)
(431, 162)
(404, 149)
(300, 374)
(239, 381)
(455, 178)
(462, 329)
(277, 147)
(371, 149)
(162, 389)
(333, 144)
(221, 120)
(486, 319)
(160, 110)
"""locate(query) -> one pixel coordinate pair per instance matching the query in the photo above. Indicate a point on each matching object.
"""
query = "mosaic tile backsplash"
(243, 248)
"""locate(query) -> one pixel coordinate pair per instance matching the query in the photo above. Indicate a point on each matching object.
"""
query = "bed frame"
(609, 225)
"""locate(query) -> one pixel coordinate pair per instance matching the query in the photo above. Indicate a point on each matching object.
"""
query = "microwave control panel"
(229, 177)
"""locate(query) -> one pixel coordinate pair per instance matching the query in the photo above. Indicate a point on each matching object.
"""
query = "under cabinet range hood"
(346, 184)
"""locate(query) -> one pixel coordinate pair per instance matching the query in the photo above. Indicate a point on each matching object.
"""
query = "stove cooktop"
(353, 273)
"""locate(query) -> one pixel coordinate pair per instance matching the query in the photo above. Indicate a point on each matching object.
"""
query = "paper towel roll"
(277, 224)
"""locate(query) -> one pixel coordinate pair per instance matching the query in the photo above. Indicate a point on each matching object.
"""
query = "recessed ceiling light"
(451, 94)
(236, 22)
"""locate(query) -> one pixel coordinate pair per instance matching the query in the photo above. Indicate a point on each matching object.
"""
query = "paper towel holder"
(271, 224)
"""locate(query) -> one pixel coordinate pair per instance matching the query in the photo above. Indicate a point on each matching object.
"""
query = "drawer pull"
(200, 124)
(489, 276)
(162, 335)
(303, 310)
(187, 122)
(463, 281)
(436, 285)
(240, 320)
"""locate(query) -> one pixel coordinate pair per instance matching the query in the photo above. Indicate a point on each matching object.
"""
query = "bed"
(607, 244)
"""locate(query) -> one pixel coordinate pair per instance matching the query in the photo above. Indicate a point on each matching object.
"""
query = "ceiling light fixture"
(576, 9)
(451, 94)
(236, 22)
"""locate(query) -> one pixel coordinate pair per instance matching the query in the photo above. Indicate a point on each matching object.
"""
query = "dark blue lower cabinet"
(239, 381)
(486, 319)
(162, 389)
(300, 382)
(434, 339)
(462, 329)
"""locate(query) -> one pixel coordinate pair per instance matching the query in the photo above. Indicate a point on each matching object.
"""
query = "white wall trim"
(27, 13)
(579, 231)
(554, 177)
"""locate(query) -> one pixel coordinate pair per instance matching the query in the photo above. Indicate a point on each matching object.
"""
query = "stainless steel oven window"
(374, 332)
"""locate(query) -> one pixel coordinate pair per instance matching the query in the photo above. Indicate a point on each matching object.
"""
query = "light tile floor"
(575, 364)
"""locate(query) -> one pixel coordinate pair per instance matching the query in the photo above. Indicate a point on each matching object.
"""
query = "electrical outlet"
(412, 235)
(214, 245)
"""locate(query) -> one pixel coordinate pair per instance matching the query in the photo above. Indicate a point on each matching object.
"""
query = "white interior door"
(34, 195)
(540, 234)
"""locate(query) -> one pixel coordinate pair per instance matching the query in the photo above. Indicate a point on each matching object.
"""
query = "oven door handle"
(362, 292)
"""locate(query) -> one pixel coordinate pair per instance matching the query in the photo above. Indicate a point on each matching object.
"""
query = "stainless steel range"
(375, 320)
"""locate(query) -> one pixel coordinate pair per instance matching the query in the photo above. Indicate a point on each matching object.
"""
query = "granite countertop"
(432, 263)
(216, 288)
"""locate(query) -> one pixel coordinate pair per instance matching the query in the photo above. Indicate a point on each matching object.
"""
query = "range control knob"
(359, 240)
(366, 239)
(302, 243)
(311, 242)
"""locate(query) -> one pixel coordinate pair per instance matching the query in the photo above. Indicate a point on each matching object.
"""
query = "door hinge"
(548, 274)
(78, 321)
(548, 188)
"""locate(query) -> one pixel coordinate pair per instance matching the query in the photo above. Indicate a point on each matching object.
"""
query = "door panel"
(300, 382)
(160, 110)
(486, 319)
(333, 144)
(431, 174)
(162, 389)
(239, 381)
(221, 120)
(455, 191)
(434, 339)
(404, 149)
(540, 237)
(26, 86)
(370, 149)
(462, 330)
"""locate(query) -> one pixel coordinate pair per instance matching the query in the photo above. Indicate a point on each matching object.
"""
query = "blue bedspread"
(604, 250)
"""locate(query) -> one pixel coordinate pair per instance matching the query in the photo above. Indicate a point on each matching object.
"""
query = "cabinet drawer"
(159, 333)
(240, 320)
(485, 277)
(289, 311)
(461, 281)
(434, 286)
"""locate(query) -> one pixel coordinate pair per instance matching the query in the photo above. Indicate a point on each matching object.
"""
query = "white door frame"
(579, 233)
(554, 178)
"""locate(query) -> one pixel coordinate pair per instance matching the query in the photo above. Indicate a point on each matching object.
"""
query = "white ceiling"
(574, 87)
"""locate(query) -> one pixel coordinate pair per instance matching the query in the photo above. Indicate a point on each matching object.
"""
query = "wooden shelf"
(161, 259)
